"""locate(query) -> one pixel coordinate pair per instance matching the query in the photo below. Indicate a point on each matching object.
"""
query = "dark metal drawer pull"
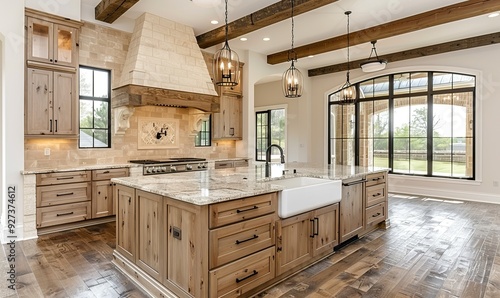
(248, 239)
(65, 178)
(376, 179)
(244, 210)
(62, 214)
(105, 172)
(246, 277)
(376, 195)
(354, 182)
(375, 215)
(65, 194)
(316, 221)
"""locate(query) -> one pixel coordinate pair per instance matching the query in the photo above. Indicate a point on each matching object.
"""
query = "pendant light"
(375, 63)
(292, 81)
(347, 91)
(226, 64)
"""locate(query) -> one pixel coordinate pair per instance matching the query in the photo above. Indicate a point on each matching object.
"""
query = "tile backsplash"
(65, 152)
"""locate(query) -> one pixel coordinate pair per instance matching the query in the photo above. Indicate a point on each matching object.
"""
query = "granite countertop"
(213, 186)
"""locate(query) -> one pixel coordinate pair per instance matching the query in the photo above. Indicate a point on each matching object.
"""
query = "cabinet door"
(351, 211)
(40, 40)
(149, 233)
(102, 199)
(65, 43)
(125, 221)
(38, 110)
(182, 245)
(326, 229)
(233, 128)
(293, 242)
(65, 119)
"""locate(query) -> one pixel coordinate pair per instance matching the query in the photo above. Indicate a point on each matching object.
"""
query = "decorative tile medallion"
(157, 133)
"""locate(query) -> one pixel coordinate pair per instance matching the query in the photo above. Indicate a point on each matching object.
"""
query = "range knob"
(149, 170)
(173, 169)
(199, 166)
(189, 167)
(204, 165)
(163, 169)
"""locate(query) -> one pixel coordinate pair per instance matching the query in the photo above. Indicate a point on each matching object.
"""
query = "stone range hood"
(165, 67)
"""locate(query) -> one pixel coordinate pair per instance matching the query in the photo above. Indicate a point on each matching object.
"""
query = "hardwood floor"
(434, 248)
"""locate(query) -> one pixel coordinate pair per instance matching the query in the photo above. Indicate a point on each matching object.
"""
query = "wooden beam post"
(110, 10)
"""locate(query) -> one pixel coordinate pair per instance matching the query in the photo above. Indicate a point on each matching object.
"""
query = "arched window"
(417, 123)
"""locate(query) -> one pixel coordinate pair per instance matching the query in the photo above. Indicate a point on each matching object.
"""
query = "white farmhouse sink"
(302, 194)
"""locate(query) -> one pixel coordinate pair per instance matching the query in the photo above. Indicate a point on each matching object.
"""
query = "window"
(416, 123)
(270, 130)
(95, 112)
(203, 139)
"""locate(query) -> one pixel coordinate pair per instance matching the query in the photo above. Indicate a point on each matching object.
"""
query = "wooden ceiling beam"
(110, 10)
(455, 12)
(456, 45)
(266, 16)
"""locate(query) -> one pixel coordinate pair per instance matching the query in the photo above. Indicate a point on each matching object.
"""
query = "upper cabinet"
(51, 99)
(52, 43)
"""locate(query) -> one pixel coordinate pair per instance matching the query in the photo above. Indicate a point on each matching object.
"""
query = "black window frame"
(429, 93)
(94, 99)
(204, 132)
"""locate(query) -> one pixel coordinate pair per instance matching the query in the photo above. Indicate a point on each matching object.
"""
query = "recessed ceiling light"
(310, 56)
(215, 22)
(266, 39)
(243, 39)
(495, 14)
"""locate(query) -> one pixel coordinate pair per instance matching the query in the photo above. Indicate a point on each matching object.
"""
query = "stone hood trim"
(164, 66)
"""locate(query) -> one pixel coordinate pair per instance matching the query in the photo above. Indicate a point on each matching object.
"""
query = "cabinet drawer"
(223, 165)
(229, 212)
(375, 214)
(241, 163)
(241, 239)
(105, 174)
(375, 178)
(63, 194)
(237, 278)
(62, 177)
(375, 194)
(56, 215)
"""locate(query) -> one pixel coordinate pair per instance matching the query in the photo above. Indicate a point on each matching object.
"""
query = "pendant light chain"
(292, 80)
(348, 43)
(293, 25)
(226, 20)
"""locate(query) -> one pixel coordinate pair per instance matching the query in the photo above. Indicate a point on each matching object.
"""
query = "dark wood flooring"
(434, 248)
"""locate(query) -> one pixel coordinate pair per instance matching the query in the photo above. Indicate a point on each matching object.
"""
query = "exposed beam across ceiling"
(456, 45)
(110, 10)
(266, 16)
(456, 12)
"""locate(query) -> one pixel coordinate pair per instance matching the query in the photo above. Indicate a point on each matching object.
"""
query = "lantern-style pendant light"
(226, 64)
(348, 91)
(292, 81)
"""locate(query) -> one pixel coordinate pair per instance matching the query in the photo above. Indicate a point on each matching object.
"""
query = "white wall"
(12, 111)
(65, 8)
(478, 61)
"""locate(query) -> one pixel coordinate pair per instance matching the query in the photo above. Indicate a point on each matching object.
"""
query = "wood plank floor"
(434, 248)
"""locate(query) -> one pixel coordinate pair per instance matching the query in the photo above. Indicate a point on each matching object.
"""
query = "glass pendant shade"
(375, 63)
(292, 82)
(226, 64)
(226, 67)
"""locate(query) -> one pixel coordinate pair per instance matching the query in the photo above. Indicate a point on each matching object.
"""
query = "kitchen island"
(216, 233)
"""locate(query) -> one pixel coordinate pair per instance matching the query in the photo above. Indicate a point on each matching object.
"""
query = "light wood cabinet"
(125, 221)
(149, 233)
(62, 198)
(51, 42)
(187, 242)
(51, 101)
(227, 123)
(302, 237)
(352, 208)
(103, 200)
(376, 203)
(51, 107)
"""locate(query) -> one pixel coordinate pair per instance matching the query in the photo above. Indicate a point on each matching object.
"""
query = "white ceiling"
(326, 22)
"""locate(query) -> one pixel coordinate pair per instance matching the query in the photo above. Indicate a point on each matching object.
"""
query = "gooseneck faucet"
(268, 157)
(268, 153)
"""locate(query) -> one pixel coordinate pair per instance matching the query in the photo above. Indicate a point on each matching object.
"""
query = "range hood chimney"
(164, 66)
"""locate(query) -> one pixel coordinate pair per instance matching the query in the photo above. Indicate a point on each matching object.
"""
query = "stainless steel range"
(172, 165)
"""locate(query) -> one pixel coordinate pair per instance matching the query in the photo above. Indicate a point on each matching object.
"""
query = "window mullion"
(430, 124)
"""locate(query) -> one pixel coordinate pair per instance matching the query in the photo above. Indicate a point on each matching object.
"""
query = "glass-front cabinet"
(51, 42)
